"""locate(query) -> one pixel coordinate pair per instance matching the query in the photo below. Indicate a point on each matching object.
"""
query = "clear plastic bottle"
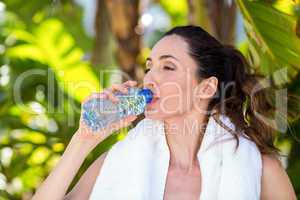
(99, 112)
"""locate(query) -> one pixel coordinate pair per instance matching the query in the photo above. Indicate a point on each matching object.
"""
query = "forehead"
(175, 46)
(170, 45)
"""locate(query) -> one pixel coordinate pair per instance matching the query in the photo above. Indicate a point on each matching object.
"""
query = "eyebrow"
(163, 57)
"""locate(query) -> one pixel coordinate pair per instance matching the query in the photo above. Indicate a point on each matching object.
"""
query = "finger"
(112, 127)
(121, 124)
(119, 87)
(130, 83)
(111, 96)
(95, 95)
(128, 120)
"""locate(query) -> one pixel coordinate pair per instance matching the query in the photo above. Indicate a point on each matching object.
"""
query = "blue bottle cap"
(147, 93)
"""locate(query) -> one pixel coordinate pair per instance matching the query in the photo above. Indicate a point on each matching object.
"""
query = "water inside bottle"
(99, 112)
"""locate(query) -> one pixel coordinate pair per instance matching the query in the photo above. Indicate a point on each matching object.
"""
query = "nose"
(152, 86)
(149, 85)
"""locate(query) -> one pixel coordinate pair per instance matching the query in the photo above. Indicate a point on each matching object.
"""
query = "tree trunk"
(101, 53)
(198, 14)
(218, 17)
(124, 15)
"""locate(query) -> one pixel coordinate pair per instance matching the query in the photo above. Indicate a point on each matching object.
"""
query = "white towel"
(136, 167)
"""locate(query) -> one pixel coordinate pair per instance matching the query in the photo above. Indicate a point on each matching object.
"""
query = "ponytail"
(245, 105)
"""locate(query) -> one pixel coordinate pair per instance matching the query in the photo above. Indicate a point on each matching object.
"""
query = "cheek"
(176, 96)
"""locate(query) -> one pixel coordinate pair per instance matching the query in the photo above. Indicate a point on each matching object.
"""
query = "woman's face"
(172, 77)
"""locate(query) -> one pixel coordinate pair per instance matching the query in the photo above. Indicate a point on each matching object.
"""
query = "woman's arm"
(57, 183)
(83, 141)
(85, 185)
(276, 184)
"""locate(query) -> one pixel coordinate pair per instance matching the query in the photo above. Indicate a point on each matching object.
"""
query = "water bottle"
(99, 112)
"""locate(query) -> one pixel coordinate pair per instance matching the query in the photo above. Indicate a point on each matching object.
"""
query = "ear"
(207, 87)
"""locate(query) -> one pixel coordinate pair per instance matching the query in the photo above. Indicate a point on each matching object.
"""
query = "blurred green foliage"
(43, 79)
(273, 40)
(178, 11)
(51, 45)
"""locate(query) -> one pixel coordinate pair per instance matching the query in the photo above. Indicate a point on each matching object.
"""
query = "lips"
(154, 99)
(155, 96)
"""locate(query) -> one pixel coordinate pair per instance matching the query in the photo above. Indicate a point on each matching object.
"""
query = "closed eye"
(168, 68)
(165, 67)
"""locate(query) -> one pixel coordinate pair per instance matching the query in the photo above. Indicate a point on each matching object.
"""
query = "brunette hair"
(237, 102)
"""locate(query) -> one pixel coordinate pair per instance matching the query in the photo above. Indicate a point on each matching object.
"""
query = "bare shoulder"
(85, 184)
(276, 184)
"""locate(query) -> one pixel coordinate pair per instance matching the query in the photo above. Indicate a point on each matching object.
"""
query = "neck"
(184, 135)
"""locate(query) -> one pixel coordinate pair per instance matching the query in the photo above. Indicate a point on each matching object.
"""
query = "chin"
(157, 115)
(153, 116)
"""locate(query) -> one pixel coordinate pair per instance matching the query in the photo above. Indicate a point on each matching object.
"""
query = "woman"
(194, 78)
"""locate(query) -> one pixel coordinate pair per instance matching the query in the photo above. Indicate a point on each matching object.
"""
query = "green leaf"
(39, 156)
(50, 44)
(271, 31)
(178, 11)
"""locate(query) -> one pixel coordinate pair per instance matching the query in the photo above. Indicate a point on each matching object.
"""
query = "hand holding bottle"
(86, 133)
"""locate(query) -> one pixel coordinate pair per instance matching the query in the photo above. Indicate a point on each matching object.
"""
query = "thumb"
(127, 120)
